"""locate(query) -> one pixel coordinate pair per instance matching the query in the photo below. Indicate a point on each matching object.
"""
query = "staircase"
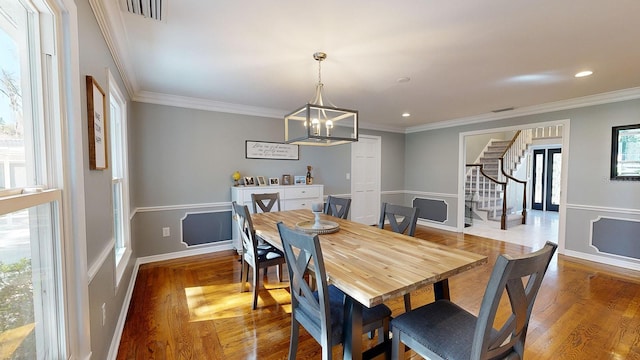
(487, 180)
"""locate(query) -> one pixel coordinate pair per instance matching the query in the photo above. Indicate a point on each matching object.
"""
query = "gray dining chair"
(320, 312)
(338, 207)
(403, 220)
(444, 330)
(265, 202)
(254, 256)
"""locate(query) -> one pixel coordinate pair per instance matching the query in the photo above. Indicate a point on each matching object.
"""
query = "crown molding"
(209, 105)
(109, 18)
(218, 106)
(598, 99)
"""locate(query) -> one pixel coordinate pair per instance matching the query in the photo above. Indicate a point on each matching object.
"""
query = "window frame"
(615, 152)
(47, 103)
(120, 176)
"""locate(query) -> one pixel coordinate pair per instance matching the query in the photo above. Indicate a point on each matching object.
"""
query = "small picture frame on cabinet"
(300, 180)
(261, 181)
(274, 181)
(286, 179)
(249, 181)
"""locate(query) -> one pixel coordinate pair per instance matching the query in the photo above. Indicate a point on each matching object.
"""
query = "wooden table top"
(370, 264)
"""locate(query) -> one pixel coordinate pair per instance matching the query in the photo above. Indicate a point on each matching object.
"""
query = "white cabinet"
(292, 197)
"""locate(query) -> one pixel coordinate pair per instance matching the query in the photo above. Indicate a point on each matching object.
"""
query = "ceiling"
(464, 58)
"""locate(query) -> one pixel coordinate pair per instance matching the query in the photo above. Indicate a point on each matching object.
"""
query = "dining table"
(372, 265)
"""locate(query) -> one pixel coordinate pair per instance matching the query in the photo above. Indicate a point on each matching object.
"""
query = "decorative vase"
(317, 224)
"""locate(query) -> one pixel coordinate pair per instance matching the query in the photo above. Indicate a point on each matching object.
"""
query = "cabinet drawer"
(302, 193)
(296, 204)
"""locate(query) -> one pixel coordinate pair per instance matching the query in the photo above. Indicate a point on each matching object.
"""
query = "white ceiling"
(465, 58)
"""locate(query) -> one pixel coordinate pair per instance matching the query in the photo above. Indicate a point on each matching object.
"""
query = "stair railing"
(487, 194)
(509, 161)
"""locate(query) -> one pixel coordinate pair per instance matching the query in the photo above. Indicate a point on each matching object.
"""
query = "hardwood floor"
(192, 308)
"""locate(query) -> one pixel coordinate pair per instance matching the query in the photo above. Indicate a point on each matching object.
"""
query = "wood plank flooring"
(192, 308)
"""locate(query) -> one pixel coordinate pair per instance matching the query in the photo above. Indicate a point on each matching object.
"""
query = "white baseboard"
(603, 259)
(437, 225)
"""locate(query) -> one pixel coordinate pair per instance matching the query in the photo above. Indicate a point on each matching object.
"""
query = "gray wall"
(95, 58)
(590, 194)
(181, 161)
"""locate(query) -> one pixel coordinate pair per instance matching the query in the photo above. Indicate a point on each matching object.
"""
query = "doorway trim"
(563, 179)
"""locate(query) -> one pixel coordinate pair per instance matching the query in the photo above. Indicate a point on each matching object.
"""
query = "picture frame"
(286, 179)
(270, 150)
(274, 181)
(249, 181)
(300, 180)
(625, 152)
(97, 121)
(261, 181)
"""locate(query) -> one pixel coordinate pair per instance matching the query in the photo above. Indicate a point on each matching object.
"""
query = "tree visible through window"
(32, 322)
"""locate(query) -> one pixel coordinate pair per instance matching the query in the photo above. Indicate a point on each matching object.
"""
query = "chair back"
(337, 207)
(402, 219)
(247, 232)
(520, 277)
(312, 312)
(265, 202)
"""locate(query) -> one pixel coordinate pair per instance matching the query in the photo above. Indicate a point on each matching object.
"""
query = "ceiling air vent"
(502, 110)
(148, 8)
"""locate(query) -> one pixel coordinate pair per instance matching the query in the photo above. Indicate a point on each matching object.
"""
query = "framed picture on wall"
(261, 181)
(96, 111)
(625, 152)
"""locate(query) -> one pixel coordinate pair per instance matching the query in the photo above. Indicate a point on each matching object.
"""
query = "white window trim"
(67, 146)
(123, 260)
(73, 199)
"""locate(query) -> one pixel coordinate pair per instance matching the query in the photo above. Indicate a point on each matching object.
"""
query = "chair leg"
(245, 275)
(293, 342)
(279, 272)
(407, 302)
(397, 347)
(383, 332)
(256, 282)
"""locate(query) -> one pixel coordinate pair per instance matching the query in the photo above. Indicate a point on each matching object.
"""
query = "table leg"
(441, 290)
(352, 329)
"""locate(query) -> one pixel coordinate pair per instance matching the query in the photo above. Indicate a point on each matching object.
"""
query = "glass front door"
(546, 179)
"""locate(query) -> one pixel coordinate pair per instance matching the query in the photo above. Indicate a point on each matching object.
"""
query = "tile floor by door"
(541, 226)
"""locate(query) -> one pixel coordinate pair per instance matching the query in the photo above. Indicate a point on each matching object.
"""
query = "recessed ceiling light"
(406, 114)
(404, 79)
(583, 73)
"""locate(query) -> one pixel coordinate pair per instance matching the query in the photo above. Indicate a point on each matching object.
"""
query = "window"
(625, 152)
(32, 312)
(120, 176)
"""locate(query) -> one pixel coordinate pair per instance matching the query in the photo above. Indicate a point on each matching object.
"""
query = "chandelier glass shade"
(318, 124)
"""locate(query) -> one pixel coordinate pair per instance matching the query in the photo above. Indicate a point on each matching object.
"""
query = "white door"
(365, 179)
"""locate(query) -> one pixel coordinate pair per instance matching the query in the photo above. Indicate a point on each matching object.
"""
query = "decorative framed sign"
(270, 150)
(96, 110)
(625, 152)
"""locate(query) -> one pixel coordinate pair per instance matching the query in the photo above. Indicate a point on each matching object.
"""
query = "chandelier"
(318, 124)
